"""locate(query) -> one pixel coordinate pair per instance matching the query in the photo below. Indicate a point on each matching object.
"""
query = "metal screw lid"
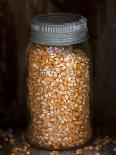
(59, 29)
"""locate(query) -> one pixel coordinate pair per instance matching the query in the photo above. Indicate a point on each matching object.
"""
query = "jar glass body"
(59, 90)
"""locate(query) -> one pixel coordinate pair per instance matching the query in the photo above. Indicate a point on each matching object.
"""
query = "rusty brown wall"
(15, 17)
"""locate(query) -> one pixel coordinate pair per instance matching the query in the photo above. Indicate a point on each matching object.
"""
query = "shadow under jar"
(59, 82)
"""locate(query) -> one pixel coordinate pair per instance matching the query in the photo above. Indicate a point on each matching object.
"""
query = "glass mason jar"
(59, 81)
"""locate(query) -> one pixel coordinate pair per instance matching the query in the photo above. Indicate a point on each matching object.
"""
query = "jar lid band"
(59, 29)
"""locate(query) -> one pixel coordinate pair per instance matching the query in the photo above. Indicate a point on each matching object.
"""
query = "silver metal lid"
(59, 29)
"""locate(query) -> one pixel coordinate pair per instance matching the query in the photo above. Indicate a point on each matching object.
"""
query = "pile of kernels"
(24, 150)
(8, 140)
(98, 146)
(58, 85)
(21, 147)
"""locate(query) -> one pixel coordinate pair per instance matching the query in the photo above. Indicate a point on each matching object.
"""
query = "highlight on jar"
(59, 82)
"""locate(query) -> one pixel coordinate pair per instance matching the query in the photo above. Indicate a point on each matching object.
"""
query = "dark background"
(15, 18)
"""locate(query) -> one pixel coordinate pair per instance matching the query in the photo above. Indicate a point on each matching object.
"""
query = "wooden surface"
(105, 151)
